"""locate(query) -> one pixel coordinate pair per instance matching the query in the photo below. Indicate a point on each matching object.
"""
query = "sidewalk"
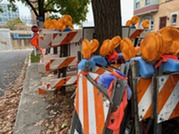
(42, 114)
(32, 107)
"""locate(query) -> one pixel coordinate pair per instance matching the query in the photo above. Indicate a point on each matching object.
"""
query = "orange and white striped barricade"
(49, 38)
(165, 99)
(62, 62)
(44, 60)
(54, 84)
(144, 89)
(165, 104)
(51, 63)
(93, 106)
(168, 97)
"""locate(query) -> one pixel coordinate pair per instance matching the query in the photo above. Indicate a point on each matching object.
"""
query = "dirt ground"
(60, 109)
(9, 104)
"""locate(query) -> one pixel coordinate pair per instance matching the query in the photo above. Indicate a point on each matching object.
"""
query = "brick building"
(160, 13)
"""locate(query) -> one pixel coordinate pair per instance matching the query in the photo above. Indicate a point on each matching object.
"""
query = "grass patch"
(35, 58)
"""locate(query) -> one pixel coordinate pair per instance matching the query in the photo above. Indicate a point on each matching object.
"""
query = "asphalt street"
(11, 63)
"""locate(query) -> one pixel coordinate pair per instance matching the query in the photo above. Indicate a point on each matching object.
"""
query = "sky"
(126, 8)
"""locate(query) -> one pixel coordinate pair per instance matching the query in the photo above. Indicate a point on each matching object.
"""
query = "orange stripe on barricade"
(47, 67)
(175, 112)
(84, 73)
(142, 87)
(100, 71)
(68, 38)
(166, 91)
(99, 111)
(85, 106)
(66, 62)
(77, 98)
(55, 35)
(110, 68)
(61, 82)
(50, 44)
(148, 113)
(41, 91)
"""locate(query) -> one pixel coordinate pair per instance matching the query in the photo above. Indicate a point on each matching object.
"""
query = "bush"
(35, 58)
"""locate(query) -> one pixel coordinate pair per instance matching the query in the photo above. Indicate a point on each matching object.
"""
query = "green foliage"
(12, 7)
(76, 8)
(0, 7)
(13, 23)
(35, 58)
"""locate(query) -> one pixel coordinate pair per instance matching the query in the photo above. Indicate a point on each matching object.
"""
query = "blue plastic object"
(146, 69)
(105, 80)
(129, 92)
(67, 29)
(89, 64)
(98, 59)
(171, 66)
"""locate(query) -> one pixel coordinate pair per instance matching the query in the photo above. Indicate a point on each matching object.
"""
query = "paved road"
(11, 63)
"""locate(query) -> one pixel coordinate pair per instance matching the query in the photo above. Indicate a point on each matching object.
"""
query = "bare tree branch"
(33, 8)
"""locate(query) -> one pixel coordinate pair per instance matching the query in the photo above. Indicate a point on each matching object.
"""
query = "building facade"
(7, 14)
(160, 13)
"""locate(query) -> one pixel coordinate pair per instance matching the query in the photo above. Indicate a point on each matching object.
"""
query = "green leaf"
(65, 124)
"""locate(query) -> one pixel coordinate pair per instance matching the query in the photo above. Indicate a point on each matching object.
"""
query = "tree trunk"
(107, 19)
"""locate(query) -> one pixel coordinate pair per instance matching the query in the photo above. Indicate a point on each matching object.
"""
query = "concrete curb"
(32, 106)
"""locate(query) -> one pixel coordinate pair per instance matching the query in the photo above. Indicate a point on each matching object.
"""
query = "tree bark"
(107, 19)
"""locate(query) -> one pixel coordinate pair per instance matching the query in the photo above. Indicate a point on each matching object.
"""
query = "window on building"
(137, 4)
(174, 19)
(162, 22)
(147, 2)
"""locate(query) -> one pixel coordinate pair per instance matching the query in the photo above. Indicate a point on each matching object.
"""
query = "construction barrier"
(167, 97)
(69, 44)
(48, 38)
(101, 110)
